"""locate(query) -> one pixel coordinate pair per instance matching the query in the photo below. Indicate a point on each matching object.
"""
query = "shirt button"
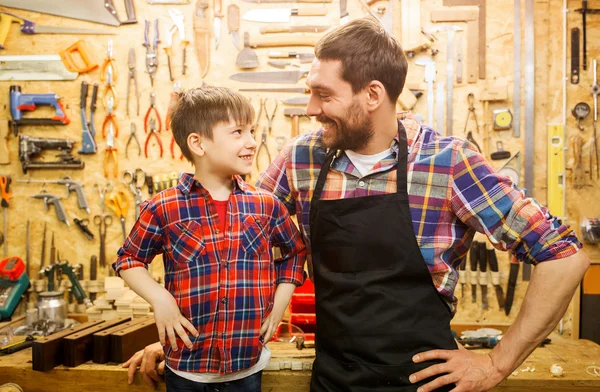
(218, 231)
(361, 183)
(224, 300)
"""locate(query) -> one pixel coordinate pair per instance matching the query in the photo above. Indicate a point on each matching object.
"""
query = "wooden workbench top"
(573, 355)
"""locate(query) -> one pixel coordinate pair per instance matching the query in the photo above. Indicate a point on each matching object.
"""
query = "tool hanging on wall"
(449, 74)
(233, 24)
(110, 94)
(495, 272)
(110, 154)
(110, 120)
(556, 175)
(491, 92)
(72, 55)
(217, 21)
(152, 131)
(580, 112)
(502, 119)
(179, 26)
(517, 68)
(584, 10)
(512, 284)
(4, 153)
(299, 90)
(151, 50)
(20, 103)
(202, 37)
(500, 153)
(133, 136)
(263, 146)
(88, 129)
(119, 204)
(295, 114)
(34, 67)
(575, 55)
(82, 225)
(291, 77)
(30, 148)
(248, 59)
(470, 16)
(71, 185)
(594, 145)
(103, 222)
(430, 74)
(459, 60)
(270, 114)
(578, 169)
(474, 273)
(439, 110)
(132, 77)
(512, 169)
(6, 196)
(56, 202)
(470, 102)
(276, 29)
(135, 180)
(30, 27)
(109, 63)
(303, 57)
(281, 15)
(483, 276)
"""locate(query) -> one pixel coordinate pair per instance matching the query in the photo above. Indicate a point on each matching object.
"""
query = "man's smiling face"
(343, 115)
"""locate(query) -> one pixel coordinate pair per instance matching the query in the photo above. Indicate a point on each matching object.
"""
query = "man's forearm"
(140, 281)
(549, 293)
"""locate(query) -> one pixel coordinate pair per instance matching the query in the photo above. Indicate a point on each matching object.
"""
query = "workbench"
(573, 355)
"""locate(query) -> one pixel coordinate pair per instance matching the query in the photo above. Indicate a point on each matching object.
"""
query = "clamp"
(110, 120)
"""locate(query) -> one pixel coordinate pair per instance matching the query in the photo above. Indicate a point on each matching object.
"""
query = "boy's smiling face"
(231, 150)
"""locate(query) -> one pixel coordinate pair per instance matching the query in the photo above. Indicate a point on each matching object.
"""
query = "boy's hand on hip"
(269, 326)
(169, 321)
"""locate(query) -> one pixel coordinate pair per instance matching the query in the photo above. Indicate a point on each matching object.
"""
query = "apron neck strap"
(401, 167)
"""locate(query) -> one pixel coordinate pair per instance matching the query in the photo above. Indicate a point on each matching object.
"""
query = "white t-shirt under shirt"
(364, 163)
(209, 378)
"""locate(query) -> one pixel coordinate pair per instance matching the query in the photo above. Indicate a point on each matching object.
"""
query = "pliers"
(109, 90)
(133, 136)
(110, 120)
(263, 144)
(151, 50)
(269, 117)
(111, 153)
(153, 131)
(151, 109)
(109, 62)
(132, 76)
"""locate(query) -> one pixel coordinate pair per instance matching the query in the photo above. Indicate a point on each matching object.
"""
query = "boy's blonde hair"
(200, 110)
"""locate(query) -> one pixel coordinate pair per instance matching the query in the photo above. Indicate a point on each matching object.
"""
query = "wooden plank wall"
(74, 247)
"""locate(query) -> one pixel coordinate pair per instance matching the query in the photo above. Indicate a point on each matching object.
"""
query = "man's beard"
(352, 132)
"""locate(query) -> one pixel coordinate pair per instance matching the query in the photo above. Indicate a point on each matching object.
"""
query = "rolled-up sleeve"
(144, 242)
(489, 203)
(285, 235)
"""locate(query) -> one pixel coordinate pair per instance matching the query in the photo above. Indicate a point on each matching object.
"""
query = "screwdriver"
(5, 189)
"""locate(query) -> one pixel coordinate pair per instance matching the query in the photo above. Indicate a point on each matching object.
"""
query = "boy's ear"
(194, 142)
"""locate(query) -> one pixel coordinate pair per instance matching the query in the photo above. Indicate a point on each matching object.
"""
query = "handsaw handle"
(315, 11)
(130, 10)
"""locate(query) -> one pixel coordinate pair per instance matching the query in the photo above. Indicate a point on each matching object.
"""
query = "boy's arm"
(143, 243)
(285, 235)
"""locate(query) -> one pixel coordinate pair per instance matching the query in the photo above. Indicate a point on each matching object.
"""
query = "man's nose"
(313, 108)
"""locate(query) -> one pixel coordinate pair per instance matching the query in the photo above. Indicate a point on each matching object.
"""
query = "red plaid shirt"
(224, 282)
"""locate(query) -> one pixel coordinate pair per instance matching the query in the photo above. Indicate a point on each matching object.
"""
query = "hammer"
(295, 114)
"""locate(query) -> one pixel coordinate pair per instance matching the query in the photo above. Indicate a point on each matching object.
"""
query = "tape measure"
(503, 119)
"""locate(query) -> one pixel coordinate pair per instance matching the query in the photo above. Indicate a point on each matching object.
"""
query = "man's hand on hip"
(147, 360)
(469, 371)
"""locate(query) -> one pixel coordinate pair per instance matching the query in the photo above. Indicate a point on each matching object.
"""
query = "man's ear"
(194, 142)
(376, 94)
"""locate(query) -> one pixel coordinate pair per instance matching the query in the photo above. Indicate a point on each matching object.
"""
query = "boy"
(224, 294)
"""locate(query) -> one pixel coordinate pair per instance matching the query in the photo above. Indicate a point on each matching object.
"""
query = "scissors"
(135, 179)
(117, 201)
(102, 191)
(102, 222)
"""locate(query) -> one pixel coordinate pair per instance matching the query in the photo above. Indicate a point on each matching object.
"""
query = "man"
(388, 210)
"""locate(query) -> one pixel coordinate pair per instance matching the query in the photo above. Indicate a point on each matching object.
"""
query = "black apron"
(376, 304)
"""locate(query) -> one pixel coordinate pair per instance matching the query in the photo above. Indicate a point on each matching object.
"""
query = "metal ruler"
(556, 170)
(529, 107)
(517, 70)
(440, 107)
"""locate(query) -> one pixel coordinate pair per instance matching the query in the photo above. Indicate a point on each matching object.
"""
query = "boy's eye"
(237, 132)
(252, 131)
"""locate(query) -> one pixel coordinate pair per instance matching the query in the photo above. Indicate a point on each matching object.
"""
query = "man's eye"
(324, 97)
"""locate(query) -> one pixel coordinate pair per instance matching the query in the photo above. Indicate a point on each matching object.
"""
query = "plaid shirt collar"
(187, 182)
(409, 121)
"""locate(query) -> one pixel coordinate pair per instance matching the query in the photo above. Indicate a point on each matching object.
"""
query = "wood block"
(411, 24)
(407, 99)
(48, 352)
(128, 341)
(101, 340)
(78, 347)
